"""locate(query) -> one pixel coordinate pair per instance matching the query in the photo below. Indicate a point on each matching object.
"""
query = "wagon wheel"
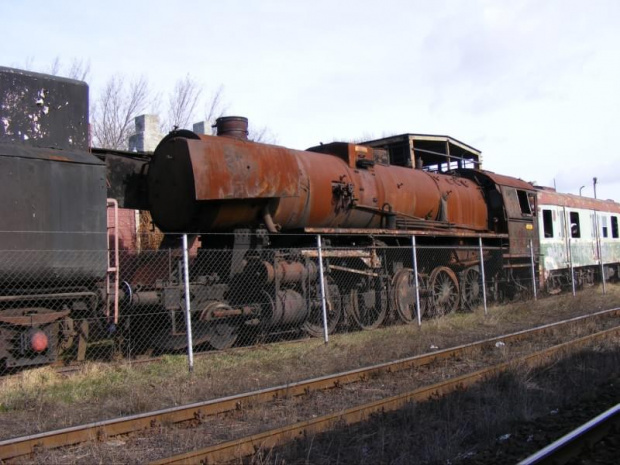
(221, 333)
(471, 288)
(403, 295)
(333, 305)
(368, 308)
(553, 284)
(444, 291)
(66, 335)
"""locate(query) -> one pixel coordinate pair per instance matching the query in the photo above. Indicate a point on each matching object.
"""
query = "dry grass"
(40, 399)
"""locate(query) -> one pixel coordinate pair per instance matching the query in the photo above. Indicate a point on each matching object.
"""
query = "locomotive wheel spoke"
(368, 308)
(404, 296)
(221, 334)
(444, 291)
(471, 288)
(314, 323)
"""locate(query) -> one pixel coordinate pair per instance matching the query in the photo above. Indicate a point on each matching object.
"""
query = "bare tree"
(182, 103)
(55, 67)
(114, 111)
(79, 69)
(215, 106)
(263, 135)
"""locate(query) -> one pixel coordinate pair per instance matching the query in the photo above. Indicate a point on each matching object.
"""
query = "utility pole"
(594, 181)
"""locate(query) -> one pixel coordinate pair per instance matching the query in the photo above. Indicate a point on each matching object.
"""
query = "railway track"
(23, 446)
(244, 447)
(573, 443)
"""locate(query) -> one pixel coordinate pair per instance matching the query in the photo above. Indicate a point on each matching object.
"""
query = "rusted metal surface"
(549, 197)
(405, 232)
(19, 447)
(126, 229)
(348, 253)
(49, 296)
(232, 126)
(207, 183)
(520, 207)
(31, 316)
(248, 446)
(520, 235)
(430, 151)
(508, 181)
(288, 272)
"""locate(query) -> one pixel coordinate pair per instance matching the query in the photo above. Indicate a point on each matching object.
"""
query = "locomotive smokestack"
(235, 127)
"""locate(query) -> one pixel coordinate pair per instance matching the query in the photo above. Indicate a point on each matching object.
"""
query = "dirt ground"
(463, 426)
(503, 420)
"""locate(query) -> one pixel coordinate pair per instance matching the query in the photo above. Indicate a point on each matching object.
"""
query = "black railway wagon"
(53, 220)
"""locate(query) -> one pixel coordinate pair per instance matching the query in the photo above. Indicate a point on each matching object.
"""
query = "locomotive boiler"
(206, 184)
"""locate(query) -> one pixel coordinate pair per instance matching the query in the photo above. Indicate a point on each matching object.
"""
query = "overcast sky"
(532, 84)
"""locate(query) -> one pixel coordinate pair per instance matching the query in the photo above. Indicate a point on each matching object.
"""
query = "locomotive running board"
(405, 232)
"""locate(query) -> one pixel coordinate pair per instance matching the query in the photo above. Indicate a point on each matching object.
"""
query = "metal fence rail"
(62, 305)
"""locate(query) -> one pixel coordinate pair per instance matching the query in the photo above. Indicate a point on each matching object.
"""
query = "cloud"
(492, 57)
(570, 179)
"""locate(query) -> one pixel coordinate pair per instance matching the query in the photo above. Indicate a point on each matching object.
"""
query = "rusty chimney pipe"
(232, 126)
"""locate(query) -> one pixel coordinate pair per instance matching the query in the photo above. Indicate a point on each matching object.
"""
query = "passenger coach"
(579, 233)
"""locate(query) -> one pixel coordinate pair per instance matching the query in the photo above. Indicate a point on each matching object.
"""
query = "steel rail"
(570, 445)
(248, 446)
(25, 445)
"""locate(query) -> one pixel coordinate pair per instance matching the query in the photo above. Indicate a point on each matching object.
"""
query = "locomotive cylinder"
(289, 272)
(289, 308)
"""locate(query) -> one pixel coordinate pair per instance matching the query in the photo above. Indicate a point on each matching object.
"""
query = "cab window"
(524, 202)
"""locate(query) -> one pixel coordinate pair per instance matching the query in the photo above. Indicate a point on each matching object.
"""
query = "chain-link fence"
(223, 290)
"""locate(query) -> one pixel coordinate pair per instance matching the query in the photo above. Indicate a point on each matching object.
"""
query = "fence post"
(322, 278)
(188, 317)
(572, 270)
(533, 269)
(415, 280)
(599, 247)
(484, 281)
(569, 250)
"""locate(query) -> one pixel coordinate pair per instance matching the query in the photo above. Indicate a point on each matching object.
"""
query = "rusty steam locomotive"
(256, 211)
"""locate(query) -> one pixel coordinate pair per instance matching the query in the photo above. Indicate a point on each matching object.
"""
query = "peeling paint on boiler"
(43, 111)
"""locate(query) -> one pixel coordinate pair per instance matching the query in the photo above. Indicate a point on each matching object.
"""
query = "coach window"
(575, 230)
(548, 223)
(604, 225)
(614, 227)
